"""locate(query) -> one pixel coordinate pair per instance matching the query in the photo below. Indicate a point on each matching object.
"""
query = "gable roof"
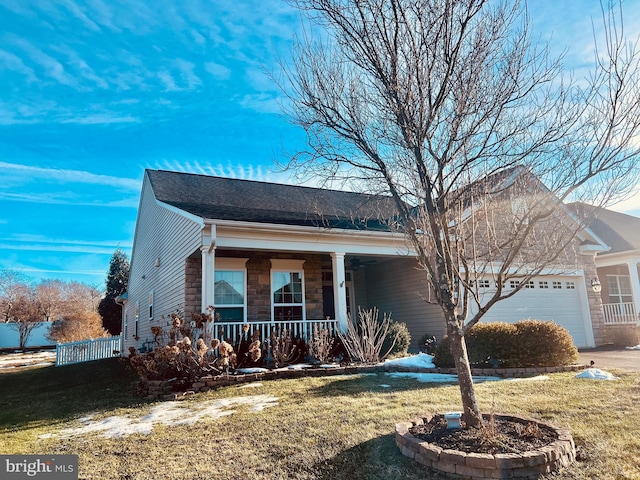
(218, 198)
(618, 230)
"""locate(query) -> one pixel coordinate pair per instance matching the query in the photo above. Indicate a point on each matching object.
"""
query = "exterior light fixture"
(596, 285)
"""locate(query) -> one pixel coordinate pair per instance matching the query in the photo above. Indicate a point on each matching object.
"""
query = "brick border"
(476, 466)
(163, 389)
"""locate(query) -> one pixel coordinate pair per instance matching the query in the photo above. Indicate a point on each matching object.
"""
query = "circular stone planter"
(457, 464)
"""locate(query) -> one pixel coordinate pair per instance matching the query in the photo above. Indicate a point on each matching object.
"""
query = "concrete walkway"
(611, 357)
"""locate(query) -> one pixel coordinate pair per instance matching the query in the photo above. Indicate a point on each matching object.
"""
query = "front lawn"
(309, 428)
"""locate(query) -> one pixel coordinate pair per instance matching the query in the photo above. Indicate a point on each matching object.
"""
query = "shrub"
(528, 343)
(320, 345)
(624, 335)
(364, 340)
(400, 332)
(285, 348)
(543, 344)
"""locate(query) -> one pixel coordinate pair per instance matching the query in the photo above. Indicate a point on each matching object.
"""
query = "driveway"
(610, 357)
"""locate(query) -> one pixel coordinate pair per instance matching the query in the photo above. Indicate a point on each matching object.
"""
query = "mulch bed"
(498, 436)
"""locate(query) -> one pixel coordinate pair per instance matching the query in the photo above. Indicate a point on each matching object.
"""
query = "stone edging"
(476, 466)
(163, 389)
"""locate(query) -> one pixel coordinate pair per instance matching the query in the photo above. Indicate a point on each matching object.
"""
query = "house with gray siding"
(290, 257)
(618, 266)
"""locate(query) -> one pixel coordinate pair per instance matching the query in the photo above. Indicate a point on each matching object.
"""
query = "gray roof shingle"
(619, 231)
(221, 198)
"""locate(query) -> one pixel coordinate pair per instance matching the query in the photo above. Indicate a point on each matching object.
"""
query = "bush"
(364, 339)
(400, 332)
(543, 344)
(528, 343)
(624, 335)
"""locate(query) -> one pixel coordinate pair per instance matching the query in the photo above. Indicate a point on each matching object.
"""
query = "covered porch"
(278, 279)
(620, 290)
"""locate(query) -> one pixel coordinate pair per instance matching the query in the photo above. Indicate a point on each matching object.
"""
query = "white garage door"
(558, 298)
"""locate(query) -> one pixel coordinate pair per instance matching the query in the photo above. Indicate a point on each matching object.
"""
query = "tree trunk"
(472, 415)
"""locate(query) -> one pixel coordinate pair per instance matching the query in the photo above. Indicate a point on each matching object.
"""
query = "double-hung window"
(287, 290)
(619, 289)
(229, 289)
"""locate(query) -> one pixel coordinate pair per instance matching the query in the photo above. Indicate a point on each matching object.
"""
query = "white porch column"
(635, 286)
(339, 289)
(208, 250)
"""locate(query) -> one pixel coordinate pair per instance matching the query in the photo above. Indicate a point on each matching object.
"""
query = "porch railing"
(620, 313)
(88, 350)
(297, 328)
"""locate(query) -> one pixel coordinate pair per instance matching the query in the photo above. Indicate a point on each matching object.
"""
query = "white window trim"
(150, 310)
(226, 264)
(137, 320)
(288, 266)
(619, 295)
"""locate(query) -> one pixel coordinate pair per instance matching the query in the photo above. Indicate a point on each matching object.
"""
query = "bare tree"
(12, 283)
(24, 314)
(475, 132)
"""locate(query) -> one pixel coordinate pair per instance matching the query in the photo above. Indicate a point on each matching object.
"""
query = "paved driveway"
(609, 357)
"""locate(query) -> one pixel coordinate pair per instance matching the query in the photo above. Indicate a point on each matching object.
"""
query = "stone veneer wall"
(193, 285)
(595, 300)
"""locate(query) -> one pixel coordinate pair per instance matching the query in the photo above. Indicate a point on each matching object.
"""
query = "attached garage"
(562, 299)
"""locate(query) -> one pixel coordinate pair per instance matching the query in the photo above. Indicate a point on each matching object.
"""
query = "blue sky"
(92, 92)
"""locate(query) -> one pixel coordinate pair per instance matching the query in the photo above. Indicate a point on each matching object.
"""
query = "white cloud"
(217, 70)
(100, 119)
(73, 176)
(258, 172)
(11, 61)
(35, 247)
(27, 237)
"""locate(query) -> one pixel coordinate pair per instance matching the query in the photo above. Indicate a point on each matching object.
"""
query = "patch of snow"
(596, 374)
(296, 366)
(167, 413)
(439, 377)
(528, 379)
(252, 370)
(329, 365)
(637, 347)
(421, 360)
(13, 360)
(385, 385)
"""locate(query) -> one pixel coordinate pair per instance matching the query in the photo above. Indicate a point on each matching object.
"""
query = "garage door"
(558, 298)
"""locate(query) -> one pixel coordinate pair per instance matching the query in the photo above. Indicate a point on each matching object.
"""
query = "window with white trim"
(543, 284)
(570, 285)
(126, 325)
(137, 319)
(151, 305)
(483, 283)
(287, 290)
(619, 287)
(230, 285)
(557, 285)
(530, 284)
(514, 283)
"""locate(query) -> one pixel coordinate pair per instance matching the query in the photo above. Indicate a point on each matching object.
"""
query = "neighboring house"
(618, 267)
(289, 257)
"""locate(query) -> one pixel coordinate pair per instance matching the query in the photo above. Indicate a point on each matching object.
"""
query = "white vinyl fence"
(88, 350)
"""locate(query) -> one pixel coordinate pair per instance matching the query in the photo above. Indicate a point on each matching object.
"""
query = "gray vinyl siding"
(163, 235)
(398, 288)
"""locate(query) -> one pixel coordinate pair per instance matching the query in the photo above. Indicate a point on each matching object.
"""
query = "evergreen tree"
(116, 283)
